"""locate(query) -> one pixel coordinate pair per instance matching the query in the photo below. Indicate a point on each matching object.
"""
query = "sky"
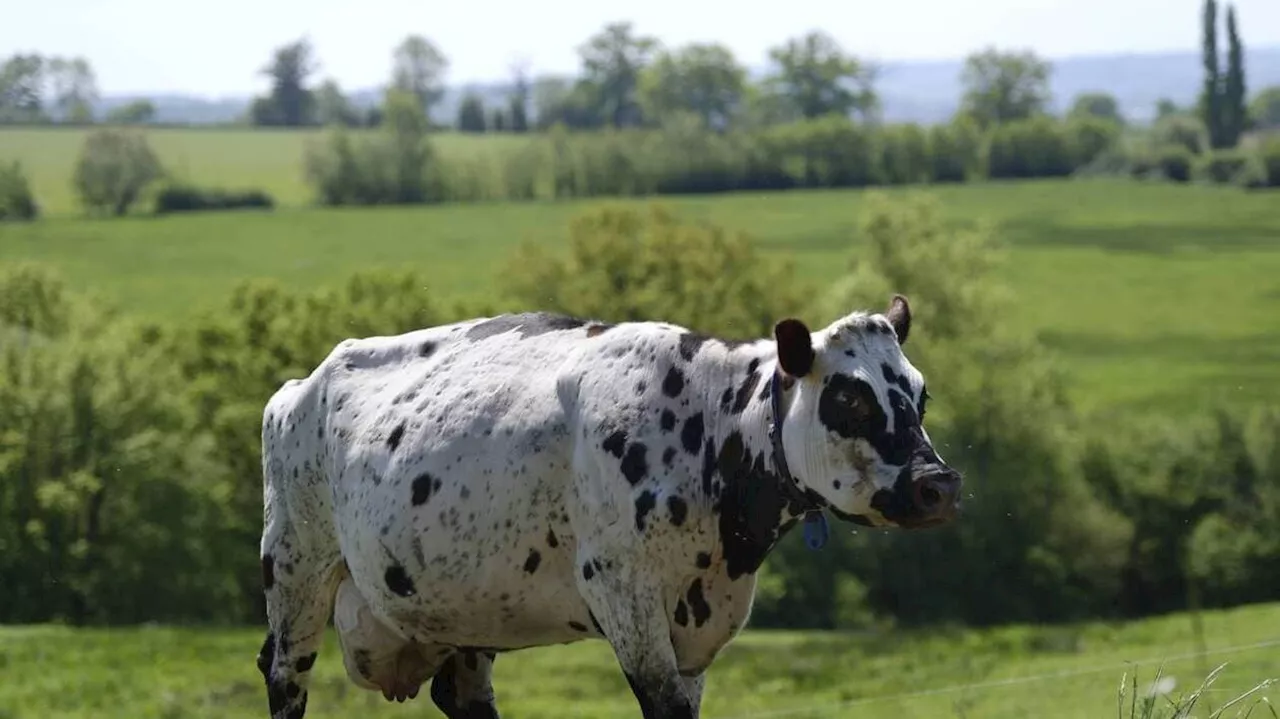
(155, 46)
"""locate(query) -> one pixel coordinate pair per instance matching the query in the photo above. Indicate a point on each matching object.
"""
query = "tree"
(1001, 87)
(1264, 111)
(290, 103)
(1096, 104)
(703, 79)
(557, 100)
(520, 94)
(333, 107)
(114, 168)
(612, 61)
(138, 112)
(419, 67)
(75, 89)
(1234, 97)
(498, 120)
(1210, 104)
(471, 114)
(22, 79)
(815, 77)
(1166, 107)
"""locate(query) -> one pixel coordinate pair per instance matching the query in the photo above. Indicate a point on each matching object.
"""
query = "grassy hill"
(1158, 297)
(1044, 672)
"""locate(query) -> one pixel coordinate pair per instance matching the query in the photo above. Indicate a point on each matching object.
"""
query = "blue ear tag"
(816, 530)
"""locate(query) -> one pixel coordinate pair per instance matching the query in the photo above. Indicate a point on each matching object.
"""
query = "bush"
(1222, 166)
(1269, 160)
(114, 169)
(187, 198)
(1181, 130)
(1175, 163)
(16, 200)
(1028, 148)
(1091, 136)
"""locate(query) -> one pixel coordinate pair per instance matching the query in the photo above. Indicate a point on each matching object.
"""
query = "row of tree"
(130, 466)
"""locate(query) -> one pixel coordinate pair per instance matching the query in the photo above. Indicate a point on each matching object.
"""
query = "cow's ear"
(899, 315)
(795, 347)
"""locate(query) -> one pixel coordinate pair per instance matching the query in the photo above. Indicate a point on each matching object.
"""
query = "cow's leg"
(628, 606)
(299, 581)
(463, 688)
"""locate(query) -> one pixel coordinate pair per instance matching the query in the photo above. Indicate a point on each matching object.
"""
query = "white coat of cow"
(526, 480)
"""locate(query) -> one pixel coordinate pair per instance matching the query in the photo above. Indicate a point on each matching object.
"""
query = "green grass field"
(1157, 296)
(1048, 673)
(266, 159)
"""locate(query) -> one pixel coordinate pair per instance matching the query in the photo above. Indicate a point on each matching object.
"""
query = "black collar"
(815, 522)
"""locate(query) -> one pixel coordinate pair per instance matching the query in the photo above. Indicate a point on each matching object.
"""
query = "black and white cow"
(525, 480)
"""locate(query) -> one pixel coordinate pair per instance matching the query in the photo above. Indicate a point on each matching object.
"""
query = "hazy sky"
(172, 45)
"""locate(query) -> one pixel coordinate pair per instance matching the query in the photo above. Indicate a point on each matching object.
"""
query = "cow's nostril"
(929, 496)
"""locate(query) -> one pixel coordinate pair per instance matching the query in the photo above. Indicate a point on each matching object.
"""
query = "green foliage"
(1029, 148)
(1184, 130)
(1222, 166)
(1175, 163)
(394, 166)
(16, 200)
(189, 198)
(113, 170)
(289, 103)
(471, 114)
(1264, 110)
(812, 76)
(1002, 87)
(1089, 136)
(1269, 158)
(1235, 115)
(1099, 105)
(625, 265)
(704, 80)
(138, 112)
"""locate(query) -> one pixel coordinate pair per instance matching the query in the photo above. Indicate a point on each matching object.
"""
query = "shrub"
(188, 198)
(16, 200)
(1028, 148)
(1175, 163)
(1181, 130)
(1269, 159)
(114, 169)
(1222, 166)
(1091, 136)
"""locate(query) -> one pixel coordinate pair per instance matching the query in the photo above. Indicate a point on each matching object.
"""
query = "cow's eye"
(855, 404)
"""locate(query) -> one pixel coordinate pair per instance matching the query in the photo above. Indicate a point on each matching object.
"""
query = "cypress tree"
(1233, 87)
(1210, 95)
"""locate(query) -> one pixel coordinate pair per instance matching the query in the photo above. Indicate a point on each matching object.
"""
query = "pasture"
(1047, 672)
(262, 158)
(1157, 297)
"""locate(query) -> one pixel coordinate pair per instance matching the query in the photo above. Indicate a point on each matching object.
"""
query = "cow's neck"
(756, 504)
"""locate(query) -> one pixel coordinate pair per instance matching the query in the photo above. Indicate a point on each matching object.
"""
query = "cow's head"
(853, 432)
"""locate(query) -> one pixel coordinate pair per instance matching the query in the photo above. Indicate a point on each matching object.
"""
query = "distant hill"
(923, 92)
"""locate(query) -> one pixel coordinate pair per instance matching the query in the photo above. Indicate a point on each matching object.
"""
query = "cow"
(523, 480)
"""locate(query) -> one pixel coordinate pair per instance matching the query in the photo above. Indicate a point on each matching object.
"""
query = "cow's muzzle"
(922, 496)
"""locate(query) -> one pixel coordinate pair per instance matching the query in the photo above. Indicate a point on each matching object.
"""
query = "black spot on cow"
(588, 571)
(690, 343)
(682, 613)
(398, 581)
(304, 664)
(851, 354)
(397, 434)
(634, 465)
(267, 656)
(595, 329)
(751, 503)
(268, 571)
(848, 407)
(835, 484)
(668, 420)
(422, 485)
(678, 509)
(726, 399)
(532, 561)
(668, 456)
(292, 690)
(578, 626)
(698, 603)
(708, 466)
(673, 383)
(895, 379)
(528, 324)
(591, 615)
(644, 504)
(743, 395)
(426, 349)
(702, 561)
(691, 433)
(470, 659)
(552, 541)
(615, 443)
